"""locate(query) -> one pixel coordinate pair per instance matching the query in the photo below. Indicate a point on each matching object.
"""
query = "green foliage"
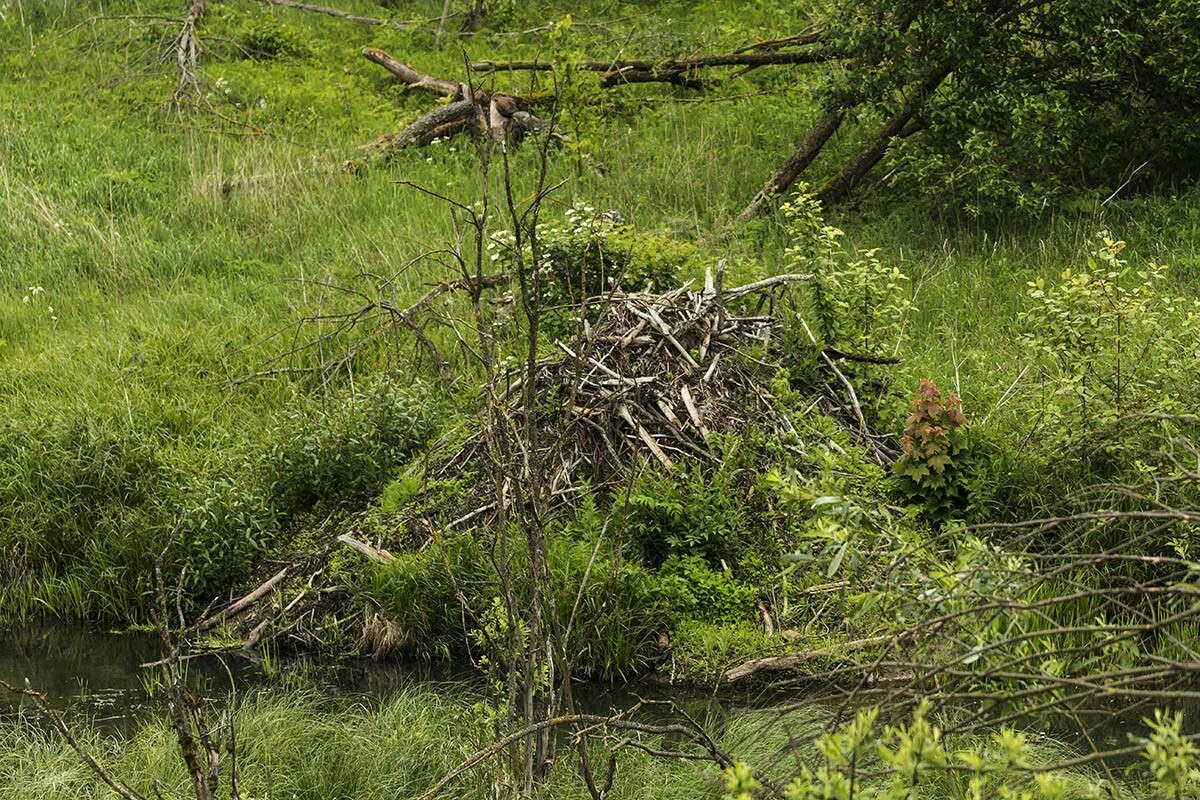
(418, 594)
(591, 253)
(695, 590)
(935, 452)
(702, 651)
(1171, 757)
(1038, 103)
(265, 38)
(225, 526)
(346, 451)
(84, 503)
(1113, 341)
(613, 607)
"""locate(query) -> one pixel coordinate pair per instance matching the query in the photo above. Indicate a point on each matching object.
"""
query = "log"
(796, 163)
(664, 67)
(247, 601)
(792, 661)
(337, 12)
(367, 550)
(413, 78)
(453, 117)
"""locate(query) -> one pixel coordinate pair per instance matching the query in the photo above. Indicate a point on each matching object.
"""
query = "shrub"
(348, 450)
(694, 590)
(1112, 341)
(592, 253)
(858, 304)
(264, 39)
(933, 465)
(226, 524)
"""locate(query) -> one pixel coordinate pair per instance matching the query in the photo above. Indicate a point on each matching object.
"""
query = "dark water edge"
(99, 677)
(103, 677)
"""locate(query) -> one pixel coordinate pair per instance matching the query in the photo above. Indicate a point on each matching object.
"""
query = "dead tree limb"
(440, 121)
(796, 163)
(413, 78)
(247, 601)
(839, 185)
(679, 71)
(337, 12)
(187, 51)
(668, 65)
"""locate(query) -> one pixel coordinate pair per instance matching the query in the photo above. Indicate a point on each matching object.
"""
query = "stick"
(645, 436)
(367, 550)
(686, 395)
(187, 50)
(248, 600)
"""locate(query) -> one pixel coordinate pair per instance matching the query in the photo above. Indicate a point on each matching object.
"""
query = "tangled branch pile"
(651, 379)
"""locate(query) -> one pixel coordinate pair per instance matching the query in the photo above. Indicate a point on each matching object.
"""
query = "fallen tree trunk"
(337, 12)
(839, 186)
(799, 161)
(678, 71)
(667, 65)
(793, 661)
(414, 78)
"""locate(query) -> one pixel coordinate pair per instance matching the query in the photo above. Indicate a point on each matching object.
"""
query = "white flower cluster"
(32, 297)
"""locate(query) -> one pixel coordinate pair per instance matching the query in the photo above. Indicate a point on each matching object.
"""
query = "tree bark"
(449, 116)
(334, 12)
(413, 78)
(840, 185)
(799, 161)
(901, 124)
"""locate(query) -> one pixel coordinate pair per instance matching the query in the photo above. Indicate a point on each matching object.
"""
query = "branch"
(668, 65)
(187, 50)
(413, 78)
(796, 163)
(119, 787)
(334, 12)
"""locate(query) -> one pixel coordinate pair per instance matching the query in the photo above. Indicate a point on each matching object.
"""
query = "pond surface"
(101, 676)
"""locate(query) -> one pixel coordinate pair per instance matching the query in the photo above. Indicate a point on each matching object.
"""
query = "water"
(98, 676)
(91, 673)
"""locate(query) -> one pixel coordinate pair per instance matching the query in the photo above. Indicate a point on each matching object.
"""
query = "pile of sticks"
(658, 373)
(649, 381)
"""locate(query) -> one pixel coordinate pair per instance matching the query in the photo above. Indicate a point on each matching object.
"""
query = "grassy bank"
(154, 263)
(298, 745)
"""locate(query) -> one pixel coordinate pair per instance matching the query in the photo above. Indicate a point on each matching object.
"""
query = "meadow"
(167, 270)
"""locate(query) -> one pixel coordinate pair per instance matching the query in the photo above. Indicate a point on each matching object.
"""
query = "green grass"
(297, 745)
(300, 745)
(151, 289)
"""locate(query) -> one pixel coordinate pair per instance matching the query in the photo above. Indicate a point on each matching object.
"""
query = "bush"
(264, 39)
(694, 590)
(225, 526)
(592, 253)
(88, 498)
(933, 464)
(348, 450)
